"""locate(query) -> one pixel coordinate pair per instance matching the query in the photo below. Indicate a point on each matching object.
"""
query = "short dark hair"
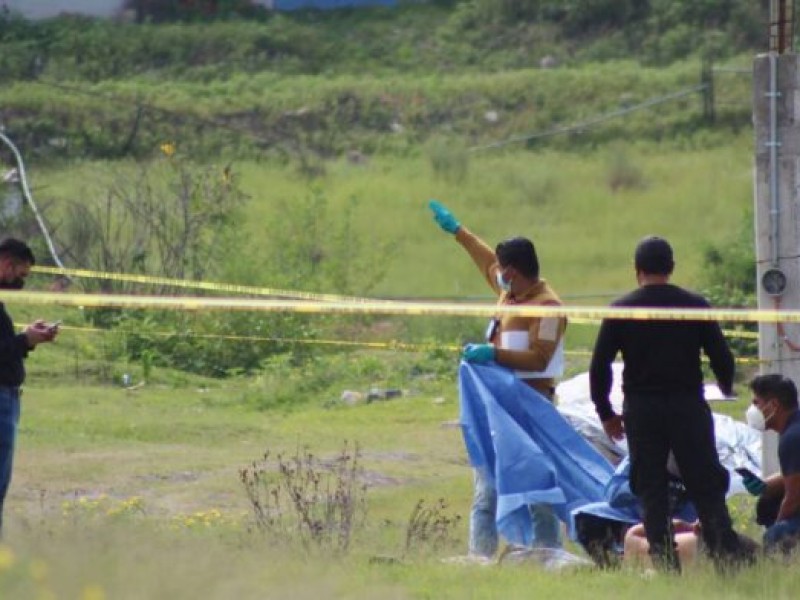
(18, 250)
(518, 252)
(654, 256)
(776, 386)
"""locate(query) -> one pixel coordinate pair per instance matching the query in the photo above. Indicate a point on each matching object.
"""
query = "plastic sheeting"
(620, 504)
(737, 444)
(530, 452)
(549, 559)
(536, 453)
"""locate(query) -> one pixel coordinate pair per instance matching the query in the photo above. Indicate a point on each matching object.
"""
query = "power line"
(593, 121)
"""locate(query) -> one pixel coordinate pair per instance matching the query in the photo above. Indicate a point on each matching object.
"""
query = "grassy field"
(136, 494)
(339, 129)
(584, 228)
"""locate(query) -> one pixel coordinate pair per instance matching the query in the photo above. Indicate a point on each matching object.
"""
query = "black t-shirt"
(13, 350)
(659, 356)
(789, 446)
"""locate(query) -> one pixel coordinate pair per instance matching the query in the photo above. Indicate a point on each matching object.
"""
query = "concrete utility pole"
(776, 117)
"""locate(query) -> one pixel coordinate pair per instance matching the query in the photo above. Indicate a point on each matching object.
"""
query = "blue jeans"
(783, 535)
(483, 528)
(9, 419)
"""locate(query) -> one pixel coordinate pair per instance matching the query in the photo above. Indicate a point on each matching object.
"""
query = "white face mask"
(756, 419)
(501, 282)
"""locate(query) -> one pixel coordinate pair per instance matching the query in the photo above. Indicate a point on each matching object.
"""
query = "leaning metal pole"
(26, 192)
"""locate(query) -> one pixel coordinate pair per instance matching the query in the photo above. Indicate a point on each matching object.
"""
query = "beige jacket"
(532, 346)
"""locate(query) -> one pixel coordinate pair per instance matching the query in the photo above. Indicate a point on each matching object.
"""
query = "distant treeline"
(474, 35)
(175, 10)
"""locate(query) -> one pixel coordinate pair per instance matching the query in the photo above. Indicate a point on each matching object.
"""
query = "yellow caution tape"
(388, 307)
(391, 345)
(728, 332)
(296, 294)
(230, 288)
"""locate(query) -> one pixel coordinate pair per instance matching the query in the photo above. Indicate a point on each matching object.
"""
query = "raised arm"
(482, 255)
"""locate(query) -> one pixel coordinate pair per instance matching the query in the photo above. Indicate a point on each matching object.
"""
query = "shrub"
(170, 218)
(318, 503)
(730, 280)
(430, 527)
(449, 159)
(623, 173)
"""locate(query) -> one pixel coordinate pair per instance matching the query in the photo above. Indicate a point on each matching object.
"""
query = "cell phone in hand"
(746, 473)
(53, 325)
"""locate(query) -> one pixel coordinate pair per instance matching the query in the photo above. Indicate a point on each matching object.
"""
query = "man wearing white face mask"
(532, 347)
(775, 407)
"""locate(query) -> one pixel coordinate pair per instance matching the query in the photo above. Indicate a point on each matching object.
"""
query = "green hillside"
(298, 152)
(332, 130)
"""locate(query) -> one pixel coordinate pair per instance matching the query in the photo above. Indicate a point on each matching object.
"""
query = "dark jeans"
(780, 536)
(656, 424)
(9, 419)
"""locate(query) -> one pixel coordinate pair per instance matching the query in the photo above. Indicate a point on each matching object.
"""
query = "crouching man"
(775, 407)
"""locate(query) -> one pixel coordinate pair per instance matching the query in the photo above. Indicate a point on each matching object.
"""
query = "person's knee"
(484, 495)
(484, 499)
(767, 509)
(783, 536)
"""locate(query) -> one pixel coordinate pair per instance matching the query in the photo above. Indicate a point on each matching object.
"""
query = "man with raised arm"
(533, 347)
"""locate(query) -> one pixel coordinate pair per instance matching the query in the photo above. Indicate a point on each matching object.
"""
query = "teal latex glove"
(754, 485)
(478, 353)
(443, 217)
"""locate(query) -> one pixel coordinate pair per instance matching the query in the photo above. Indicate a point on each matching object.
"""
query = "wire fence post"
(707, 83)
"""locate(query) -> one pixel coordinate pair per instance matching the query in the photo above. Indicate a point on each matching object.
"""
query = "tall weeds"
(304, 499)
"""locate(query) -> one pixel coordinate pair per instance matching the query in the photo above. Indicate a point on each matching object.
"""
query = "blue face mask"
(502, 283)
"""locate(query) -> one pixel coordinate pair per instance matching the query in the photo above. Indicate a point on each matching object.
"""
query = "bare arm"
(790, 507)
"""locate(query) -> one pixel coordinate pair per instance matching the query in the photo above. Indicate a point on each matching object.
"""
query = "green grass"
(136, 495)
(267, 114)
(115, 492)
(584, 231)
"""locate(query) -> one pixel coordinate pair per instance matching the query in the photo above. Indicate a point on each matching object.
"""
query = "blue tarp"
(530, 452)
(621, 505)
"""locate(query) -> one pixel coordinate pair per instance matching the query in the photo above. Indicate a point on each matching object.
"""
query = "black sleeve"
(600, 374)
(14, 347)
(719, 354)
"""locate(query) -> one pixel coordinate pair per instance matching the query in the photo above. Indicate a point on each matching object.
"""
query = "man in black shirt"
(664, 410)
(16, 260)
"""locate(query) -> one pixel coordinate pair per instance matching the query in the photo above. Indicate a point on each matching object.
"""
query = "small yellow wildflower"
(168, 148)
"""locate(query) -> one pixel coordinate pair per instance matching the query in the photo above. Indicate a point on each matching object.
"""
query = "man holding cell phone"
(16, 260)
(775, 407)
